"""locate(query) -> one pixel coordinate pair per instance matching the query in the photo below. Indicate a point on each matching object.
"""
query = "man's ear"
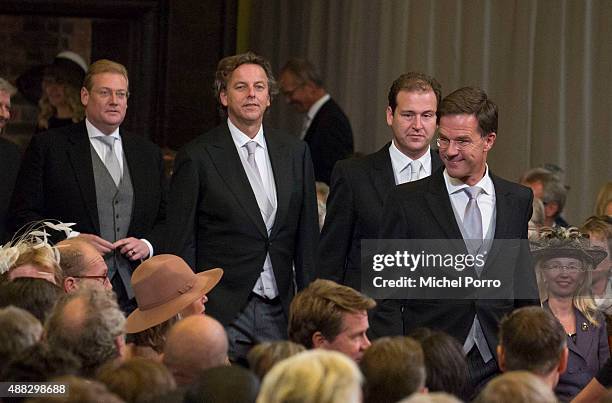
(84, 96)
(121, 347)
(501, 358)
(318, 340)
(70, 285)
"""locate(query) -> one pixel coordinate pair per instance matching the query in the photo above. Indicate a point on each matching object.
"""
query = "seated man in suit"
(532, 339)
(243, 198)
(331, 316)
(326, 128)
(95, 174)
(9, 159)
(474, 213)
(359, 186)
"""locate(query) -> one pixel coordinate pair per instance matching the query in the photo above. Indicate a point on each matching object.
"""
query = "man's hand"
(132, 248)
(102, 245)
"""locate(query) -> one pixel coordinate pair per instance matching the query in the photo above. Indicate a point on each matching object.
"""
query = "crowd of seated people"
(69, 314)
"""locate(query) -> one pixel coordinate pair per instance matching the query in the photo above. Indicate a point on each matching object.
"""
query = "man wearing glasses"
(82, 264)
(466, 202)
(108, 182)
(359, 186)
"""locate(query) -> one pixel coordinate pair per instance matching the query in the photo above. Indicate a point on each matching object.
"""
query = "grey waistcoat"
(114, 215)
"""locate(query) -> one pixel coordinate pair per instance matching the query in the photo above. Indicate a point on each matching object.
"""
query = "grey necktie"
(261, 195)
(415, 169)
(110, 160)
(472, 219)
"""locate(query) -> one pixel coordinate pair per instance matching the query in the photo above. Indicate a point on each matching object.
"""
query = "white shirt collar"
(93, 131)
(240, 138)
(454, 185)
(399, 160)
(317, 105)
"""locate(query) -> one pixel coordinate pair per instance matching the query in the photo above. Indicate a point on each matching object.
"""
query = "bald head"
(82, 264)
(194, 344)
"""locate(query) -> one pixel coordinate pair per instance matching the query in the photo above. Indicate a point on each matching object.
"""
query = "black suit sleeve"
(338, 228)
(158, 233)
(28, 201)
(182, 205)
(525, 282)
(307, 234)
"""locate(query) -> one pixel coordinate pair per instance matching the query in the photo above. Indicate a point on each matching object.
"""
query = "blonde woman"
(565, 260)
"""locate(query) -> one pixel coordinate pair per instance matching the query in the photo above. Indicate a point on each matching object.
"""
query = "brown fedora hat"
(164, 285)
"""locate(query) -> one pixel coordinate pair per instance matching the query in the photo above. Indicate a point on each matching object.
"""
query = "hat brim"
(593, 256)
(140, 320)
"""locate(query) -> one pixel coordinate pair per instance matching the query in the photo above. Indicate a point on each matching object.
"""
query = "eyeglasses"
(570, 267)
(105, 93)
(443, 143)
(101, 279)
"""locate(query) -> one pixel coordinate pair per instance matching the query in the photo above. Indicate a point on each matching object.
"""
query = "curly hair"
(86, 323)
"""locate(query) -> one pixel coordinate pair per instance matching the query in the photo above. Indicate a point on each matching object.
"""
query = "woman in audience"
(57, 90)
(314, 376)
(166, 290)
(565, 260)
(600, 234)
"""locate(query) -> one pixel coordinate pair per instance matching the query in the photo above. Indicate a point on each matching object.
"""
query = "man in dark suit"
(326, 128)
(359, 186)
(476, 213)
(111, 184)
(243, 198)
(9, 159)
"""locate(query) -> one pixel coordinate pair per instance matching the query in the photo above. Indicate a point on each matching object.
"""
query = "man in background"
(326, 128)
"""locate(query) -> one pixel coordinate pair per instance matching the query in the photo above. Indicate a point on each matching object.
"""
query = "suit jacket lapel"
(79, 154)
(384, 181)
(224, 156)
(138, 169)
(281, 161)
(440, 206)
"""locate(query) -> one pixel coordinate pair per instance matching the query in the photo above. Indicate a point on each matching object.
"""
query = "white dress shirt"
(266, 283)
(400, 161)
(312, 112)
(486, 199)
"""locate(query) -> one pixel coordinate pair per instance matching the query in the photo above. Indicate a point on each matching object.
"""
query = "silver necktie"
(472, 219)
(260, 192)
(110, 160)
(415, 169)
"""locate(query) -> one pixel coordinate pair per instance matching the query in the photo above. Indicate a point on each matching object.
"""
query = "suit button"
(118, 229)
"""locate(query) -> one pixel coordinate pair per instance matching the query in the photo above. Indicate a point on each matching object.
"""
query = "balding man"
(81, 263)
(194, 344)
(89, 324)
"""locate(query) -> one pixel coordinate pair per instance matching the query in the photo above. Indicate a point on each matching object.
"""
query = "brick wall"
(33, 40)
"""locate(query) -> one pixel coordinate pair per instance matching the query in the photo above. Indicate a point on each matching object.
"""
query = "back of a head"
(516, 387)
(34, 295)
(87, 323)
(195, 343)
(265, 355)
(81, 390)
(394, 368)
(320, 307)
(435, 397)
(19, 330)
(39, 363)
(314, 376)
(444, 361)
(532, 339)
(224, 384)
(137, 380)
